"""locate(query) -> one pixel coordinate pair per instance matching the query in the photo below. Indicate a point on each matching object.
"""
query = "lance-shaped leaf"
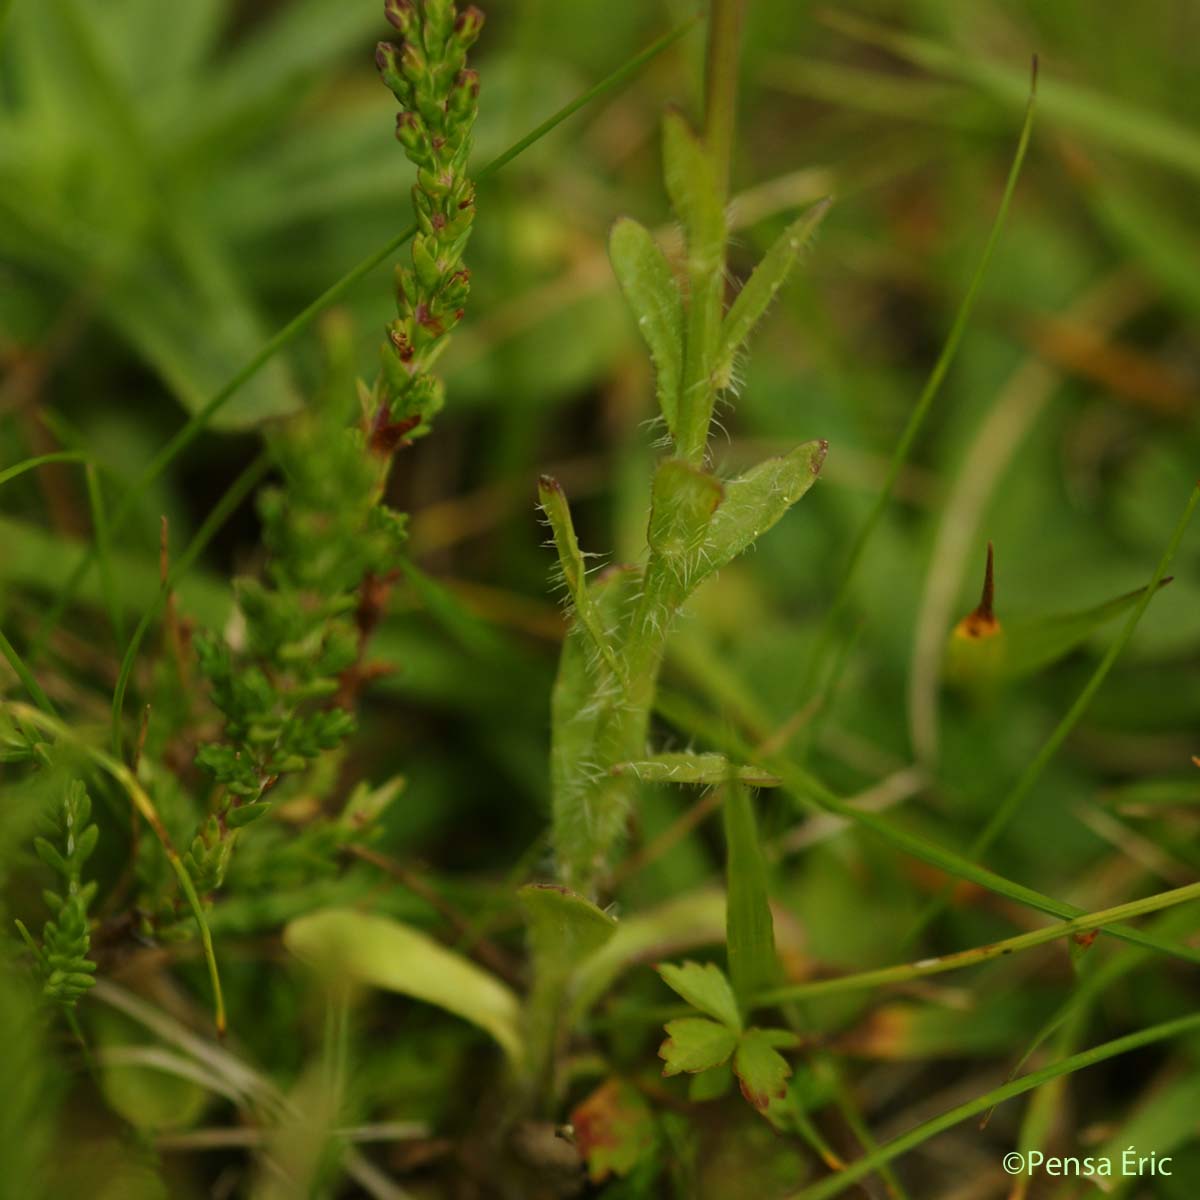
(692, 188)
(761, 1070)
(347, 946)
(653, 295)
(757, 500)
(708, 769)
(761, 288)
(706, 988)
(570, 557)
(696, 1044)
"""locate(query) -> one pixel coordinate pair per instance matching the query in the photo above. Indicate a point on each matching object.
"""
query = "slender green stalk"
(925, 402)
(749, 928)
(237, 492)
(104, 551)
(1004, 812)
(836, 1184)
(25, 675)
(721, 87)
(196, 424)
(904, 972)
(59, 456)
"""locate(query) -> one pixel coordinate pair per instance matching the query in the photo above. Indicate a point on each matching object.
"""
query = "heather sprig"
(438, 95)
(284, 683)
(66, 938)
(287, 682)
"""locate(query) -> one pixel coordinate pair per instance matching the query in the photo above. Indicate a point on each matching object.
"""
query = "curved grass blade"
(835, 1185)
(865, 980)
(59, 456)
(932, 387)
(26, 676)
(1100, 115)
(196, 424)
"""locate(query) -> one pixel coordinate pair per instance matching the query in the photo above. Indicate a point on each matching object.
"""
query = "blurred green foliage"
(177, 181)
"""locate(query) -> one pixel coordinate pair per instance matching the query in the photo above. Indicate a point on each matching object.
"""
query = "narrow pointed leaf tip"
(558, 512)
(981, 621)
(763, 286)
(757, 500)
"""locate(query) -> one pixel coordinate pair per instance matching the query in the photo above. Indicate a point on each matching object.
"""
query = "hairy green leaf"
(705, 769)
(653, 294)
(757, 500)
(761, 288)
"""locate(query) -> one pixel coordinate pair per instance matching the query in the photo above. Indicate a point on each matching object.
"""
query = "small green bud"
(387, 61)
(464, 97)
(467, 27)
(412, 135)
(402, 15)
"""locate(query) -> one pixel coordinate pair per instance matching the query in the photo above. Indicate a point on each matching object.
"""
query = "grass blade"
(1120, 125)
(25, 675)
(59, 456)
(749, 928)
(932, 386)
(865, 980)
(104, 552)
(835, 1185)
